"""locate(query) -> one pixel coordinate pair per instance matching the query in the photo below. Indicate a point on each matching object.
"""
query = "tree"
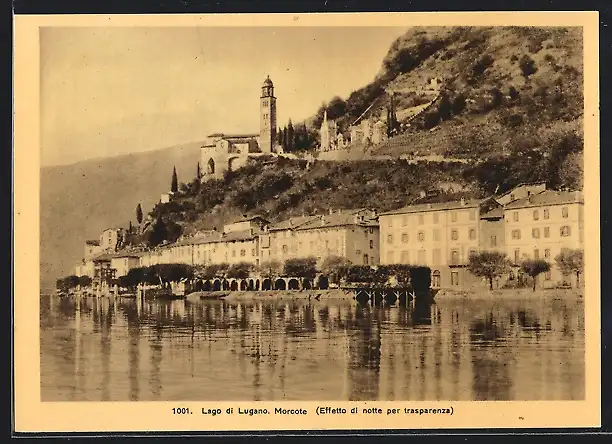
(199, 172)
(335, 267)
(528, 66)
(241, 270)
(571, 261)
(488, 264)
(270, 268)
(139, 214)
(301, 267)
(534, 267)
(285, 138)
(174, 183)
(290, 137)
(445, 107)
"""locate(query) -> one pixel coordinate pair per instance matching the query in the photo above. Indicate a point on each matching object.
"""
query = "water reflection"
(115, 350)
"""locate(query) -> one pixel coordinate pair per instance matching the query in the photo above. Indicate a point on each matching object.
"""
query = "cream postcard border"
(32, 415)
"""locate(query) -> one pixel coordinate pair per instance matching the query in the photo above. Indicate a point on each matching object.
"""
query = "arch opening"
(280, 284)
(294, 284)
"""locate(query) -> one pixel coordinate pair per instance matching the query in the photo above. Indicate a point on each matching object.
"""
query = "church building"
(227, 152)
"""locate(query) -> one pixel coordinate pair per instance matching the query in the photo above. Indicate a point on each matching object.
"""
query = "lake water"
(121, 350)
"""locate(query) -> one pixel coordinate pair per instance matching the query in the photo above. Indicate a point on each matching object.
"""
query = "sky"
(111, 91)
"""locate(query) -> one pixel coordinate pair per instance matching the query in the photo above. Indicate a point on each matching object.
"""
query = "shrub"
(527, 65)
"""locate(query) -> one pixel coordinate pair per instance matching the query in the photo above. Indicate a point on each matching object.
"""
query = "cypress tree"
(174, 184)
(138, 214)
(290, 136)
(199, 172)
(285, 138)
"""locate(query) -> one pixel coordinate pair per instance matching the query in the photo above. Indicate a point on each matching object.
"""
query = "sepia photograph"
(313, 213)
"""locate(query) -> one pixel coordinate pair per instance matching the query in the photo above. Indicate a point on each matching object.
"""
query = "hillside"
(503, 89)
(78, 201)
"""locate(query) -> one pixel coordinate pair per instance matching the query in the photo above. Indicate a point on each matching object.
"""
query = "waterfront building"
(122, 263)
(441, 236)
(352, 234)
(540, 226)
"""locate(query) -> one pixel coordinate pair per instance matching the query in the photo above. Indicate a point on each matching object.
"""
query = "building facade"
(441, 236)
(541, 225)
(351, 234)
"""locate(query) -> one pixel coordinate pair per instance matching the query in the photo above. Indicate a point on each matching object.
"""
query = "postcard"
(242, 222)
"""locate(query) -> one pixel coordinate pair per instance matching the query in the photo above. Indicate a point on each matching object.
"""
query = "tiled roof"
(338, 220)
(548, 197)
(493, 214)
(437, 206)
(522, 184)
(292, 222)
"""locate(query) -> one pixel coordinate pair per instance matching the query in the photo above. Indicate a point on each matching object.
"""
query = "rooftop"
(437, 206)
(548, 197)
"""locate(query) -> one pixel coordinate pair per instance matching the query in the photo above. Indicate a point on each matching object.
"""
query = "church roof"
(268, 82)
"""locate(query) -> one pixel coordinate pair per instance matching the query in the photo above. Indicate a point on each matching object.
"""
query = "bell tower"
(267, 118)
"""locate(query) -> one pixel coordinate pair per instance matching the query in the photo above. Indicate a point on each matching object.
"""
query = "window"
(536, 215)
(421, 219)
(494, 241)
(390, 257)
(365, 259)
(565, 231)
(454, 234)
(471, 252)
(405, 238)
(390, 223)
(435, 279)
(242, 252)
(453, 216)
(564, 212)
(546, 231)
(516, 234)
(436, 256)
(473, 215)
(455, 256)
(421, 236)
(421, 257)
(517, 256)
(371, 230)
(546, 253)
(285, 249)
(371, 244)
(436, 235)
(546, 213)
(535, 233)
(436, 218)
(390, 239)
(515, 216)
(405, 257)
(405, 221)
(454, 278)
(536, 254)
(472, 233)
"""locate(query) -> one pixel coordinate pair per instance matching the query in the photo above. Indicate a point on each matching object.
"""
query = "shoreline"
(509, 293)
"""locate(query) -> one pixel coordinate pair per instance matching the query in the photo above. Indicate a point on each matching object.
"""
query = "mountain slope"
(78, 201)
(499, 86)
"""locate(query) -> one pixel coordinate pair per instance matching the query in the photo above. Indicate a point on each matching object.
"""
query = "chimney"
(429, 205)
(462, 201)
(331, 211)
(322, 220)
(422, 194)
